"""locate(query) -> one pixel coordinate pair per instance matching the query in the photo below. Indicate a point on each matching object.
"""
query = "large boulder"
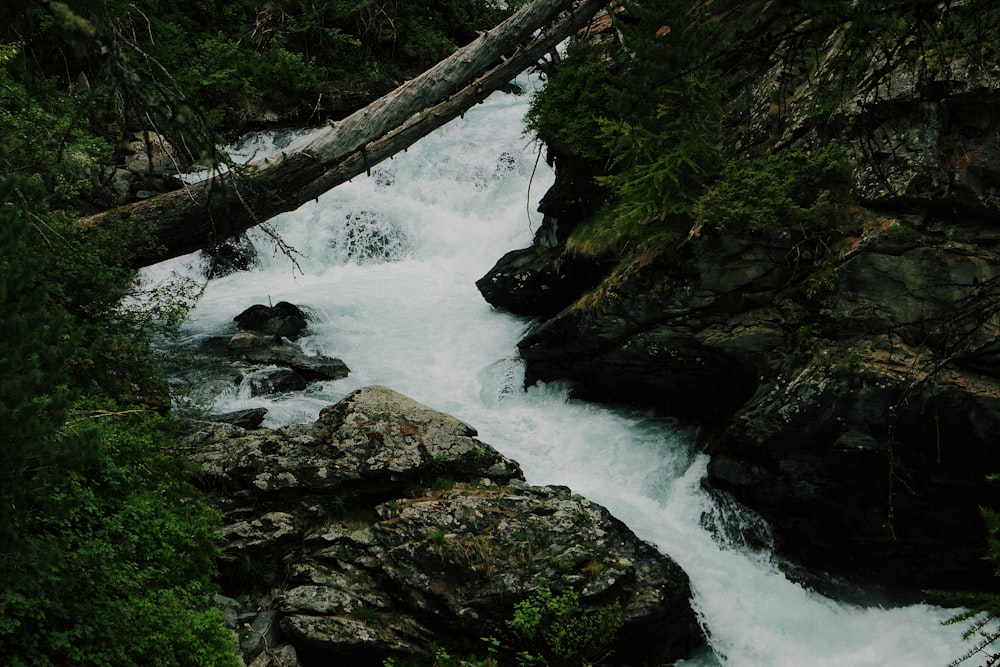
(389, 527)
(866, 475)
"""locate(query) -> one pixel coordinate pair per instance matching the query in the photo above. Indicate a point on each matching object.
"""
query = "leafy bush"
(554, 630)
(110, 560)
(660, 165)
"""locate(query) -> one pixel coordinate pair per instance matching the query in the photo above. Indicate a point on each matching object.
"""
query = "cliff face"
(849, 384)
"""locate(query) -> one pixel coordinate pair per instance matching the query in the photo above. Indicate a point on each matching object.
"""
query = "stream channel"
(387, 270)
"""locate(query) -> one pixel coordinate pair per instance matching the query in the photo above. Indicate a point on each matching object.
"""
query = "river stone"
(232, 255)
(276, 381)
(308, 366)
(404, 530)
(244, 341)
(526, 282)
(249, 418)
(281, 320)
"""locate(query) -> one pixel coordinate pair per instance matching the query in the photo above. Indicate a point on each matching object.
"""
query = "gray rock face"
(928, 139)
(670, 326)
(851, 406)
(526, 282)
(865, 475)
(847, 380)
(393, 527)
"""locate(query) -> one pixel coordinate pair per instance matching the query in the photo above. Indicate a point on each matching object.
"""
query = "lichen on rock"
(386, 526)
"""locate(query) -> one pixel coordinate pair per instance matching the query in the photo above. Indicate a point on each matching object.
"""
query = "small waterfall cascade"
(386, 267)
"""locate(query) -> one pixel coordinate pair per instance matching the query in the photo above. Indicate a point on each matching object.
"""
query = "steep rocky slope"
(848, 381)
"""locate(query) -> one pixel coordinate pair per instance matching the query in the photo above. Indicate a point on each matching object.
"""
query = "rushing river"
(387, 269)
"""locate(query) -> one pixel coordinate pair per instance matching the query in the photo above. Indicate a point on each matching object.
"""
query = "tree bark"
(200, 215)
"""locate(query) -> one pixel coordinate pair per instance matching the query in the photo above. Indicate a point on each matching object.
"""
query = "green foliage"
(186, 69)
(580, 91)
(106, 556)
(226, 73)
(366, 614)
(425, 43)
(33, 386)
(62, 159)
(649, 115)
(259, 574)
(554, 630)
(112, 562)
(661, 165)
(602, 234)
(794, 189)
(654, 110)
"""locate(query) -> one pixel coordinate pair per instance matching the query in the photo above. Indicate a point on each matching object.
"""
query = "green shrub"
(545, 630)
(794, 189)
(661, 165)
(577, 93)
(113, 563)
(106, 553)
(554, 630)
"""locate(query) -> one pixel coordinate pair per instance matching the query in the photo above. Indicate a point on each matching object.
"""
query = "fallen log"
(200, 215)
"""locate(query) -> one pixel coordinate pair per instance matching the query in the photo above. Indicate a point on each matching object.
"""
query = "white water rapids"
(388, 271)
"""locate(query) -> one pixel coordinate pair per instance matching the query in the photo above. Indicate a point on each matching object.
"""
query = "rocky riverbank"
(386, 527)
(847, 382)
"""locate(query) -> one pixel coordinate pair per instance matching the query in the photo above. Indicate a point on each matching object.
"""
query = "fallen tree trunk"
(200, 215)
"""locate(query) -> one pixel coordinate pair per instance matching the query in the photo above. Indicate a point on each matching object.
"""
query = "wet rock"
(250, 418)
(308, 366)
(118, 185)
(283, 320)
(669, 328)
(153, 153)
(230, 256)
(260, 640)
(370, 445)
(527, 282)
(148, 168)
(866, 476)
(404, 531)
(243, 341)
(276, 381)
(217, 363)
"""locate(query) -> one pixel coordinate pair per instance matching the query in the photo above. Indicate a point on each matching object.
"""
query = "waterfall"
(386, 269)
